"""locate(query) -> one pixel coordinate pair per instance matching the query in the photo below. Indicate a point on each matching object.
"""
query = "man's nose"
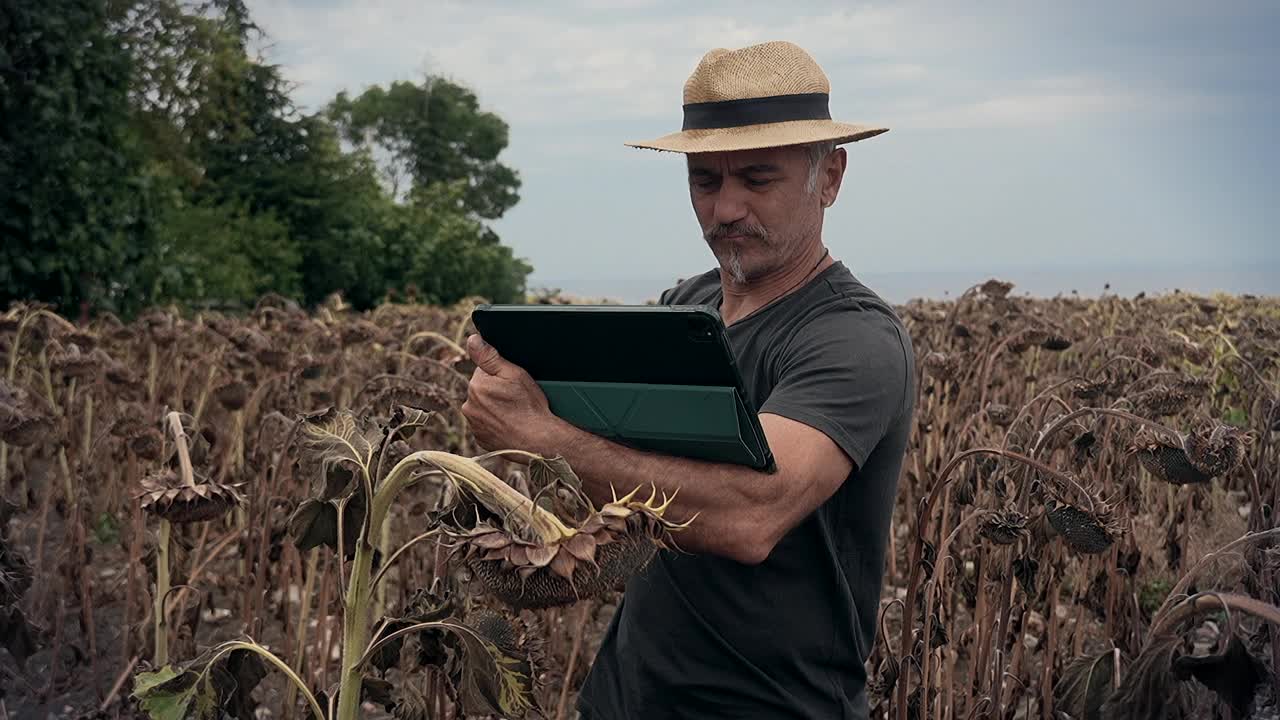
(731, 205)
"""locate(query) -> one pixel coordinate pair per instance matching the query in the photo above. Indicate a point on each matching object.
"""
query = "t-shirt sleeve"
(846, 374)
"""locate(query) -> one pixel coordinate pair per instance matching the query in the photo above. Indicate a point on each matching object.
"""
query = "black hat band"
(756, 111)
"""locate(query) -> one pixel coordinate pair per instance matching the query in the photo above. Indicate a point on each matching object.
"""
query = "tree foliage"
(73, 197)
(432, 132)
(147, 155)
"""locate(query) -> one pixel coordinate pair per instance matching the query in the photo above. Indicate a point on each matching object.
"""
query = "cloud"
(540, 66)
(536, 65)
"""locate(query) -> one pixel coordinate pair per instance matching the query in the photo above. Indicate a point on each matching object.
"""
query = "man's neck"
(739, 301)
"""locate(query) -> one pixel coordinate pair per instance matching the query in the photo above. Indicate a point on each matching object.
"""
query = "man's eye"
(705, 184)
(758, 182)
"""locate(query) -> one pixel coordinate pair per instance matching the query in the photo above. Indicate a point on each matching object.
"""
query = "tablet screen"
(664, 344)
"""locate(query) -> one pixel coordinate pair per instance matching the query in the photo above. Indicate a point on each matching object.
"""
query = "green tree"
(226, 130)
(220, 255)
(432, 132)
(74, 202)
(452, 255)
(147, 155)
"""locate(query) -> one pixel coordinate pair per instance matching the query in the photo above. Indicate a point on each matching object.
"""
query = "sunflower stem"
(452, 345)
(180, 440)
(295, 681)
(1188, 577)
(162, 589)
(152, 368)
(1208, 601)
(497, 496)
(304, 613)
(355, 631)
(417, 627)
(384, 547)
(1064, 420)
(391, 559)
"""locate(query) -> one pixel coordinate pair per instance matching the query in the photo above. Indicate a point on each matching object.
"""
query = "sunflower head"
(165, 495)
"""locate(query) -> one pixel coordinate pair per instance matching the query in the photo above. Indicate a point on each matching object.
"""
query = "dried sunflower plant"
(1058, 443)
(1085, 528)
(542, 550)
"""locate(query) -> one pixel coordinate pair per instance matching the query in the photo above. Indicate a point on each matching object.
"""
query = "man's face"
(754, 207)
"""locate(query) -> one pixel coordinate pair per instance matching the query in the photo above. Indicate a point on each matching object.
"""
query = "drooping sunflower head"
(594, 557)
(1089, 528)
(1003, 527)
(166, 495)
(1214, 448)
(1166, 459)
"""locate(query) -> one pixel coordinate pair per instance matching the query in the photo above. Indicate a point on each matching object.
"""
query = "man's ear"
(833, 167)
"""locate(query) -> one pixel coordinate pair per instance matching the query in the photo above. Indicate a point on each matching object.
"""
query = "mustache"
(721, 231)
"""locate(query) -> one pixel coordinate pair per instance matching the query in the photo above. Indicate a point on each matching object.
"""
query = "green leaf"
(1236, 416)
(106, 530)
(206, 701)
(170, 694)
(145, 682)
(200, 691)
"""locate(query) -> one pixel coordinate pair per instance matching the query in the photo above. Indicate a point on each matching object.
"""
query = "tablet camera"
(700, 331)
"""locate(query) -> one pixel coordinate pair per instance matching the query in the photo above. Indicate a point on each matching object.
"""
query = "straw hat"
(766, 95)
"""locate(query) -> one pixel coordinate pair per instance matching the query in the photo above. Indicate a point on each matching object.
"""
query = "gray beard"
(735, 266)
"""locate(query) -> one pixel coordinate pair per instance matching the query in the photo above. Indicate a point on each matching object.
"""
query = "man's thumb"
(484, 355)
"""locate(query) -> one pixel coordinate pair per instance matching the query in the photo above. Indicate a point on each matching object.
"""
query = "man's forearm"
(731, 502)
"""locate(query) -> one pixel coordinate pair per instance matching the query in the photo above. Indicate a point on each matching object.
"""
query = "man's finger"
(485, 356)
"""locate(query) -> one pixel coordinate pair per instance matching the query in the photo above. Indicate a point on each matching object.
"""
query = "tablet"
(654, 377)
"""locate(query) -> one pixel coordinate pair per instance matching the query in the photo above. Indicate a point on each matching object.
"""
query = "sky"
(1061, 145)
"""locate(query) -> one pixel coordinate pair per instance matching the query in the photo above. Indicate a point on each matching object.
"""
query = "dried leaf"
(1085, 685)
(337, 435)
(405, 420)
(541, 555)
(582, 547)
(518, 555)
(338, 475)
(558, 488)
(17, 635)
(563, 564)
(614, 511)
(234, 678)
(409, 702)
(1149, 689)
(501, 553)
(491, 540)
(1233, 675)
(313, 524)
(494, 681)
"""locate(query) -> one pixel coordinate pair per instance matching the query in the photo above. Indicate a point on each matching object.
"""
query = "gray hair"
(817, 153)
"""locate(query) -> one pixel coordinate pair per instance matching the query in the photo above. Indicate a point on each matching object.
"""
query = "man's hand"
(505, 407)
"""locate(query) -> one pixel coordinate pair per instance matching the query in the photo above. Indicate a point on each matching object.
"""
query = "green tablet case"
(655, 377)
(697, 421)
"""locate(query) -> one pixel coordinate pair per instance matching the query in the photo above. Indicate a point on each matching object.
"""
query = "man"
(770, 610)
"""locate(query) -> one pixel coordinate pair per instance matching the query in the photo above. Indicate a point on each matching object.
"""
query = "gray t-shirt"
(701, 636)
